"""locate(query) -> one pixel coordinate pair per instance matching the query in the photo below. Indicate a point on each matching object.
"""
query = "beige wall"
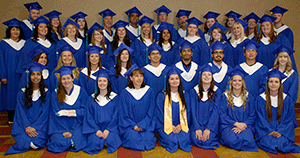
(14, 8)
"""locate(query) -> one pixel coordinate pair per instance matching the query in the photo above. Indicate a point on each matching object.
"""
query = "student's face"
(102, 83)
(186, 54)
(237, 30)
(283, 59)
(42, 30)
(124, 56)
(81, 23)
(35, 77)
(192, 29)
(146, 29)
(155, 56)
(43, 59)
(14, 33)
(174, 80)
(182, 20)
(137, 79)
(163, 17)
(66, 57)
(71, 29)
(230, 22)
(166, 35)
(121, 32)
(35, 14)
(98, 36)
(134, 18)
(67, 81)
(266, 27)
(210, 22)
(206, 77)
(217, 55)
(55, 22)
(252, 23)
(274, 84)
(108, 21)
(94, 59)
(250, 54)
(237, 82)
(216, 35)
(278, 16)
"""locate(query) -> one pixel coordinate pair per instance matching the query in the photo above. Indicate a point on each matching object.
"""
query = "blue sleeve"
(89, 124)
(194, 102)
(113, 124)
(81, 112)
(146, 122)
(224, 118)
(160, 110)
(251, 113)
(294, 87)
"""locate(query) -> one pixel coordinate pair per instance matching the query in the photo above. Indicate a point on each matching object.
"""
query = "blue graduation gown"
(27, 28)
(87, 85)
(189, 77)
(205, 115)
(236, 53)
(154, 78)
(285, 127)
(220, 75)
(228, 116)
(287, 32)
(10, 52)
(131, 35)
(108, 37)
(291, 85)
(107, 59)
(140, 53)
(46, 77)
(171, 141)
(137, 109)
(175, 35)
(78, 46)
(35, 117)
(171, 56)
(59, 124)
(101, 115)
(54, 81)
(118, 84)
(54, 37)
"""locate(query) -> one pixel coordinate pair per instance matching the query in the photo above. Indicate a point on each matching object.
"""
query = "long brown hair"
(205, 25)
(211, 91)
(90, 65)
(115, 42)
(118, 67)
(279, 101)
(59, 31)
(102, 42)
(255, 30)
(180, 91)
(37, 57)
(212, 39)
(272, 34)
(61, 91)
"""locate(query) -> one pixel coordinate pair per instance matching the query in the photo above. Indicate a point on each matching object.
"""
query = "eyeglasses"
(218, 52)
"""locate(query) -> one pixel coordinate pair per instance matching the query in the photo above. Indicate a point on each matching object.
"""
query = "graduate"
(86, 78)
(231, 16)
(205, 111)
(71, 38)
(33, 12)
(281, 28)
(123, 56)
(10, 51)
(163, 15)
(83, 27)
(133, 28)
(101, 121)
(136, 113)
(189, 68)
(216, 32)
(141, 44)
(55, 25)
(107, 22)
(173, 114)
(182, 15)
(200, 50)
(237, 114)
(255, 70)
(276, 117)
(154, 71)
(67, 111)
(30, 128)
(121, 36)
(252, 29)
(211, 18)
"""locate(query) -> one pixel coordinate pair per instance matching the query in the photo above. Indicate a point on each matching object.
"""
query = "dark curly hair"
(7, 34)
(161, 40)
(48, 36)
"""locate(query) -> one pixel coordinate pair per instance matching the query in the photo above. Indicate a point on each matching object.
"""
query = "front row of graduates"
(181, 119)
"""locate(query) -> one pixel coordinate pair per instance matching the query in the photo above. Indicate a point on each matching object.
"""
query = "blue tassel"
(29, 14)
(128, 19)
(138, 32)
(257, 27)
(102, 22)
(96, 90)
(87, 59)
(177, 24)
(146, 55)
(165, 80)
(27, 78)
(56, 82)
(116, 60)
(186, 30)
(157, 19)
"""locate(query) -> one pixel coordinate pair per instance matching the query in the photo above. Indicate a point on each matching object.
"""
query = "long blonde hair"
(243, 94)
(143, 36)
(73, 63)
(242, 32)
(288, 67)
(66, 30)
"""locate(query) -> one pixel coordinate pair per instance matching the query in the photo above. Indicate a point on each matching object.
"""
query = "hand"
(99, 133)
(4, 81)
(242, 126)
(199, 134)
(67, 135)
(105, 134)
(31, 132)
(177, 129)
(137, 128)
(277, 134)
(206, 134)
(69, 113)
(271, 134)
(236, 130)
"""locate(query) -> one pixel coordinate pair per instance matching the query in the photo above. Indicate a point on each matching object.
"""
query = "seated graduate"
(55, 25)
(101, 121)
(275, 117)
(136, 114)
(83, 27)
(205, 111)
(173, 114)
(133, 27)
(123, 56)
(237, 114)
(66, 114)
(33, 12)
(154, 71)
(30, 127)
(86, 78)
(187, 66)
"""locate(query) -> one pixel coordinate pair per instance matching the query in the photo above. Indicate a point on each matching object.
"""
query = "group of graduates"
(68, 87)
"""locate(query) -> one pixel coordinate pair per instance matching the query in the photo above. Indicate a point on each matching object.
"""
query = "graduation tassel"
(102, 22)
(138, 31)
(165, 80)
(177, 24)
(116, 60)
(96, 89)
(257, 28)
(146, 55)
(157, 19)
(87, 59)
(30, 14)
(27, 78)
(186, 28)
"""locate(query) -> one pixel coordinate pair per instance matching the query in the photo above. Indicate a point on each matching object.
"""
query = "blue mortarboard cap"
(94, 49)
(164, 25)
(129, 71)
(12, 23)
(53, 14)
(36, 50)
(33, 5)
(194, 21)
(252, 16)
(250, 44)
(211, 14)
(107, 12)
(173, 70)
(267, 18)
(154, 46)
(217, 45)
(104, 73)
(182, 12)
(79, 15)
(162, 9)
(65, 70)
(133, 10)
(278, 9)
(186, 45)
(65, 47)
(205, 68)
(35, 66)
(119, 24)
(283, 48)
(217, 25)
(275, 73)
(145, 19)
(233, 14)
(69, 21)
(237, 71)
(244, 23)
(40, 20)
(122, 46)
(93, 28)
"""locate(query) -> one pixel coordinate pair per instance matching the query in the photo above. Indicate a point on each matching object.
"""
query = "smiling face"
(121, 32)
(274, 84)
(42, 30)
(67, 81)
(266, 28)
(181, 21)
(14, 33)
(134, 18)
(216, 34)
(71, 30)
(35, 77)
(34, 14)
(186, 54)
(66, 57)
(166, 35)
(137, 78)
(55, 22)
(163, 17)
(252, 23)
(210, 22)
(155, 56)
(98, 37)
(217, 55)
(237, 29)
(230, 22)
(124, 56)
(102, 83)
(146, 29)
(81, 23)
(250, 54)
(237, 82)
(192, 29)
(108, 21)
(283, 58)
(206, 77)
(43, 59)
(174, 80)
(278, 16)
(94, 59)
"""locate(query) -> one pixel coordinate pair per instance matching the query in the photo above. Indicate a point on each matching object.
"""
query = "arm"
(146, 122)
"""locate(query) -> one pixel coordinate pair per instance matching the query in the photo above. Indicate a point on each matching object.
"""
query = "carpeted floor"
(223, 152)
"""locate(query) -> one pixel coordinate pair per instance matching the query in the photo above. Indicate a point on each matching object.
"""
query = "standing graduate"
(71, 38)
(231, 16)
(101, 121)
(86, 78)
(252, 29)
(66, 114)
(55, 25)
(182, 16)
(211, 18)
(154, 71)
(10, 51)
(237, 114)
(141, 44)
(173, 114)
(205, 111)
(136, 114)
(107, 22)
(33, 13)
(133, 27)
(30, 128)
(83, 27)
(276, 117)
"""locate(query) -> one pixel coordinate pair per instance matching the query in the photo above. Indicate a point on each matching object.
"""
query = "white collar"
(207, 37)
(274, 100)
(110, 38)
(219, 76)
(138, 93)
(188, 76)
(102, 100)
(123, 71)
(251, 36)
(45, 74)
(155, 70)
(174, 97)
(85, 71)
(228, 35)
(46, 43)
(81, 33)
(217, 65)
(181, 32)
(147, 42)
(71, 99)
(237, 101)
(167, 47)
(35, 94)
(76, 45)
(16, 45)
(280, 29)
(251, 69)
(235, 43)
(205, 97)
(265, 40)
(156, 27)
(192, 39)
(287, 75)
(28, 24)
(133, 30)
